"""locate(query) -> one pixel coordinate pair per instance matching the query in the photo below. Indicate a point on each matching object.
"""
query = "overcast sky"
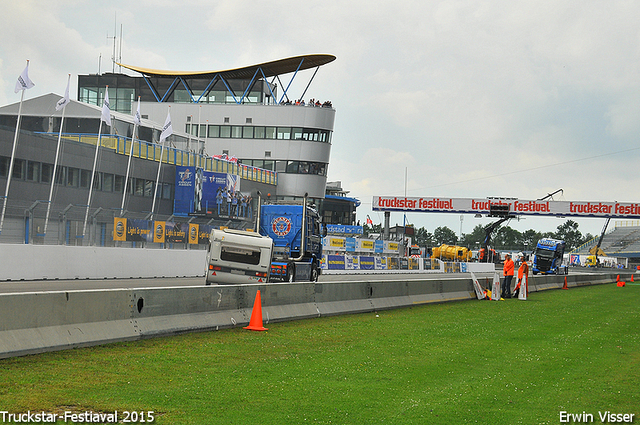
(473, 98)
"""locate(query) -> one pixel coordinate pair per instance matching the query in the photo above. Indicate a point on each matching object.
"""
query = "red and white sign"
(629, 210)
(281, 226)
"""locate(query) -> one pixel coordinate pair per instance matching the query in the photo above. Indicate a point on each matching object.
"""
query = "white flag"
(167, 130)
(137, 116)
(24, 82)
(106, 110)
(65, 100)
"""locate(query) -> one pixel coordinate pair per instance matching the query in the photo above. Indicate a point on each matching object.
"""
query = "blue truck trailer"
(297, 241)
(548, 257)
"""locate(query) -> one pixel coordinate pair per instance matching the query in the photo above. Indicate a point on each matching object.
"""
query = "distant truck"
(548, 256)
(288, 247)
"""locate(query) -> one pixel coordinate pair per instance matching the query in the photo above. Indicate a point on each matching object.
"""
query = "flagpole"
(155, 191)
(93, 173)
(13, 153)
(133, 140)
(55, 163)
(167, 130)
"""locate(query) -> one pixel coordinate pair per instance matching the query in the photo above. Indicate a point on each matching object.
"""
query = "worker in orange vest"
(507, 270)
(523, 271)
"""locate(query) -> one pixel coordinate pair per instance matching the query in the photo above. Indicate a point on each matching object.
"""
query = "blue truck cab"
(548, 256)
(297, 241)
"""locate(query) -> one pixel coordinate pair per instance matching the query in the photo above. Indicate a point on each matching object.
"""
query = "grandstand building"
(240, 123)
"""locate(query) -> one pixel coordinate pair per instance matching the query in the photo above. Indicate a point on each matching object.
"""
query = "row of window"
(258, 132)
(41, 172)
(291, 167)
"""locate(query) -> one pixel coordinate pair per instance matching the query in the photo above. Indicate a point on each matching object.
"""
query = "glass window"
(284, 133)
(236, 132)
(292, 167)
(270, 133)
(148, 188)
(97, 181)
(258, 133)
(33, 171)
(214, 131)
(61, 173)
(166, 190)
(225, 131)
(258, 163)
(85, 175)
(139, 187)
(19, 166)
(4, 166)
(107, 182)
(268, 165)
(118, 184)
(296, 133)
(303, 168)
(281, 166)
(181, 96)
(247, 132)
(73, 177)
(46, 172)
(322, 169)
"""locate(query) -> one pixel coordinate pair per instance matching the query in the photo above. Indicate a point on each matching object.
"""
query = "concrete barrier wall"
(34, 262)
(39, 322)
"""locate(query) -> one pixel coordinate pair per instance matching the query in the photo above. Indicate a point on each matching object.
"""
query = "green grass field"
(506, 362)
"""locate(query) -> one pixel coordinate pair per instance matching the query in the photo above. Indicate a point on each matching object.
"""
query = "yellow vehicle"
(591, 261)
(451, 253)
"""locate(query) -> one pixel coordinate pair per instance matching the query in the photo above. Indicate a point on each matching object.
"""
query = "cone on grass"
(565, 283)
(255, 324)
(631, 278)
(619, 282)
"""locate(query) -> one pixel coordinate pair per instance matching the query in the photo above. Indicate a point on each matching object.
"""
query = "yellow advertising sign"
(194, 229)
(158, 231)
(119, 229)
(366, 244)
(337, 243)
(393, 246)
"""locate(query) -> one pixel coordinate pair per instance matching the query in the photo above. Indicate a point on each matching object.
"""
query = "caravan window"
(240, 255)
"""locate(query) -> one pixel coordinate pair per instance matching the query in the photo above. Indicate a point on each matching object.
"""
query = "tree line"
(504, 238)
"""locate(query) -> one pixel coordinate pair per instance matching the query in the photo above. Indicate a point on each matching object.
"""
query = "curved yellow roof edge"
(278, 67)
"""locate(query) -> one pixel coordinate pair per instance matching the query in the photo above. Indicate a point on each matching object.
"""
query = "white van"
(235, 258)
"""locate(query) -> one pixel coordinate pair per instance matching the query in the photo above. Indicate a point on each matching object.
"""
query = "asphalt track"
(8, 287)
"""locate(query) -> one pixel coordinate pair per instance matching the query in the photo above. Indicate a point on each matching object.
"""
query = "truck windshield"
(544, 253)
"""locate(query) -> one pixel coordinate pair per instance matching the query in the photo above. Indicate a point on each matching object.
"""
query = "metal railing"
(174, 156)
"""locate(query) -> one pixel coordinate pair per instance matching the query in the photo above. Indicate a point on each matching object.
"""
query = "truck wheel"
(314, 274)
(291, 273)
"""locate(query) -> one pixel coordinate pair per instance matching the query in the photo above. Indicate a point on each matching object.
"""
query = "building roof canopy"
(270, 69)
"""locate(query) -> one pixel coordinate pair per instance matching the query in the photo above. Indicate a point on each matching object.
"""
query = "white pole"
(13, 153)
(155, 191)
(93, 172)
(55, 167)
(126, 179)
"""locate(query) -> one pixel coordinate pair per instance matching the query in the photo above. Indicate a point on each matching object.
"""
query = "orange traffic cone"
(255, 324)
(631, 278)
(619, 282)
(565, 283)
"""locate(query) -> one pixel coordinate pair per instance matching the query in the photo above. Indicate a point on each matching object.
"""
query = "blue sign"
(367, 263)
(335, 262)
(341, 229)
(350, 244)
(204, 191)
